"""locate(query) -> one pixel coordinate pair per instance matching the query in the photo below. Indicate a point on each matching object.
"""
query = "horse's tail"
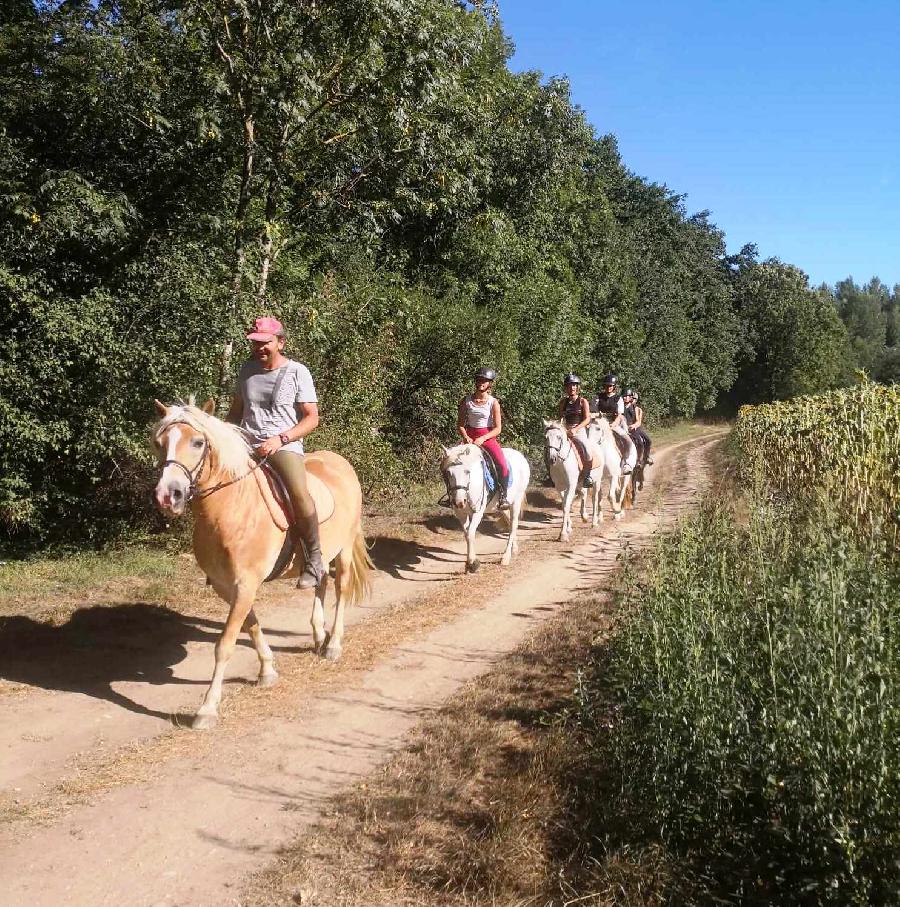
(358, 582)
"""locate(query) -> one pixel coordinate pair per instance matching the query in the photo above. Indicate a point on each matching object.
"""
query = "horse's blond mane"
(227, 443)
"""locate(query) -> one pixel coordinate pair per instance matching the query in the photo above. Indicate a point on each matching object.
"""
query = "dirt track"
(106, 801)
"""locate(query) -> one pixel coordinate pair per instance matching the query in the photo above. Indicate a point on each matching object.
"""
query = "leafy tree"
(863, 311)
(795, 342)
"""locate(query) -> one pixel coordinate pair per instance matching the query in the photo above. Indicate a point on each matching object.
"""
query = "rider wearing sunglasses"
(275, 403)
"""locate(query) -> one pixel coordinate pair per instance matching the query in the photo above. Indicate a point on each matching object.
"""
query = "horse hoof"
(473, 567)
(617, 516)
(505, 561)
(333, 653)
(204, 722)
(267, 680)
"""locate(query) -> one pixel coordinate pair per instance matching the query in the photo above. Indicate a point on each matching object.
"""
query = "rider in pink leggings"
(480, 422)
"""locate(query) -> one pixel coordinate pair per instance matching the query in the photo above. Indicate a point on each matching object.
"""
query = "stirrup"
(587, 482)
(625, 468)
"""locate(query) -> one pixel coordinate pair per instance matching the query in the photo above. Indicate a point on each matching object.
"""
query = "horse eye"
(197, 442)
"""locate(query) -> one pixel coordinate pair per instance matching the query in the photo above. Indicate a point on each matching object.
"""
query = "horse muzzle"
(170, 496)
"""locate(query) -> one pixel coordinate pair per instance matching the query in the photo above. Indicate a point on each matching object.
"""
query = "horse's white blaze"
(169, 479)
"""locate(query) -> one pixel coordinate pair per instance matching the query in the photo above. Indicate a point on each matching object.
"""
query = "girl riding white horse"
(463, 470)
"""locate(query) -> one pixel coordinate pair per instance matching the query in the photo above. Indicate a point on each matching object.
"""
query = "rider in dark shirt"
(610, 405)
(576, 415)
(634, 418)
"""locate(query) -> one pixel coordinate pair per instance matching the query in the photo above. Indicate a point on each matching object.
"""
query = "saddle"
(276, 497)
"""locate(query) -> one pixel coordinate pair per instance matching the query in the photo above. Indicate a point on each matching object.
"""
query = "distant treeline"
(372, 173)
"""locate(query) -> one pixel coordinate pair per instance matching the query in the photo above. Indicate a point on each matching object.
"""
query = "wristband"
(285, 439)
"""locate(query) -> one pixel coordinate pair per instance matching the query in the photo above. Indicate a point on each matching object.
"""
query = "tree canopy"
(372, 173)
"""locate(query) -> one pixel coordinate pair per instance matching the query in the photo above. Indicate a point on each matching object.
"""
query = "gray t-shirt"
(270, 398)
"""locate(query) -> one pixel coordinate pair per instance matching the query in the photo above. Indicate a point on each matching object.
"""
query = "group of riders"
(480, 422)
(275, 403)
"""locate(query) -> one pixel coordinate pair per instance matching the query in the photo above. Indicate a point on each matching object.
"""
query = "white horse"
(603, 436)
(564, 471)
(462, 468)
(562, 462)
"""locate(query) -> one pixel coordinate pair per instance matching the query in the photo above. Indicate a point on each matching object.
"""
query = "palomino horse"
(565, 472)
(240, 530)
(463, 470)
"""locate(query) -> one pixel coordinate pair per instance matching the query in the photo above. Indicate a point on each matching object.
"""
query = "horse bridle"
(445, 474)
(557, 450)
(194, 492)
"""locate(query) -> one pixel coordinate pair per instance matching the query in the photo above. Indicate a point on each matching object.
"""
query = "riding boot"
(586, 480)
(313, 569)
(502, 499)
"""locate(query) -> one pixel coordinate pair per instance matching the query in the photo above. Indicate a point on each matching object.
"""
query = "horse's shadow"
(401, 557)
(100, 646)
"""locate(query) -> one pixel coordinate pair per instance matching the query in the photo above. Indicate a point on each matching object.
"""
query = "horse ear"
(161, 408)
(547, 423)
(209, 407)
(444, 451)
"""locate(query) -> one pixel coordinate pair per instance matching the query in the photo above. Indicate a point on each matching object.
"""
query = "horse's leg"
(584, 498)
(596, 512)
(566, 532)
(472, 562)
(242, 601)
(317, 619)
(333, 646)
(267, 673)
(512, 543)
(614, 498)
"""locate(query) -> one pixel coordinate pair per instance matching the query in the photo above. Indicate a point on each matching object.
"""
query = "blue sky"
(780, 118)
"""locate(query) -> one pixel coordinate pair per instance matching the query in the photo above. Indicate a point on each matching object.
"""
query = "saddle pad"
(595, 457)
(274, 494)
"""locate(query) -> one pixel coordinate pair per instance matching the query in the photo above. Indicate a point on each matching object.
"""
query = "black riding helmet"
(611, 379)
(485, 374)
(571, 378)
(629, 392)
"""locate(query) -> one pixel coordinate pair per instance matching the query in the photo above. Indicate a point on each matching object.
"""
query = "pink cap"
(266, 328)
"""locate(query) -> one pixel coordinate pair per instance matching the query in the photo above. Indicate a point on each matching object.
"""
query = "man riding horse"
(275, 403)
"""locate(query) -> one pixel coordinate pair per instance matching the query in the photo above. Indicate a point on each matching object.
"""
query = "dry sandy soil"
(105, 797)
